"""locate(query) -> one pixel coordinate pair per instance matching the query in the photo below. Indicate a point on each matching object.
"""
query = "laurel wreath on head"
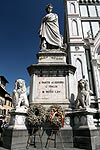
(55, 116)
(36, 115)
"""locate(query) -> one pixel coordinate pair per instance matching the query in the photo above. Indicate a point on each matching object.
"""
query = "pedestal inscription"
(51, 88)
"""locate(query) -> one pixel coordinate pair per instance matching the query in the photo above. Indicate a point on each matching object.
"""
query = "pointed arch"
(79, 70)
(72, 8)
(75, 28)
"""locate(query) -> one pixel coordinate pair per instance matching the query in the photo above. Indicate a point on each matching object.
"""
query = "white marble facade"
(81, 39)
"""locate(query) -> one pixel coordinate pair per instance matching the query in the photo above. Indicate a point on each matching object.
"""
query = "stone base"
(86, 138)
(15, 139)
(63, 138)
(31, 148)
(52, 56)
(85, 133)
(60, 139)
(67, 137)
(17, 120)
(16, 135)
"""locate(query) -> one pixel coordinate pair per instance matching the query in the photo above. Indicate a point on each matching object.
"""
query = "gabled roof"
(3, 92)
(3, 78)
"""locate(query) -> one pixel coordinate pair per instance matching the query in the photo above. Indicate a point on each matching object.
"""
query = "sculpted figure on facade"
(83, 96)
(19, 96)
(49, 30)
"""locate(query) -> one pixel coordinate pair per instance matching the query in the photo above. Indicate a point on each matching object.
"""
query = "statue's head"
(81, 84)
(49, 8)
(20, 83)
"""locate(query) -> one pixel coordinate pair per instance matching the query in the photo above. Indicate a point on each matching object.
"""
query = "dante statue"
(83, 96)
(49, 30)
(19, 96)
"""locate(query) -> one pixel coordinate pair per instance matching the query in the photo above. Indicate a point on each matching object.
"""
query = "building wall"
(82, 24)
(5, 99)
(7, 107)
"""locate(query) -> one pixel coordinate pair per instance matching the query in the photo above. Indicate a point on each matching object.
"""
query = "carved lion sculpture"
(19, 96)
(83, 97)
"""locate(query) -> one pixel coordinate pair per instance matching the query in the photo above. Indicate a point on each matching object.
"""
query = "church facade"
(82, 35)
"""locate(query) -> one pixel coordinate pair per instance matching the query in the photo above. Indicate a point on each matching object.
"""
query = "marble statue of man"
(19, 96)
(49, 30)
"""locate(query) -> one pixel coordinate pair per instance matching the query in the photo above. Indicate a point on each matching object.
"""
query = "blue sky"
(19, 40)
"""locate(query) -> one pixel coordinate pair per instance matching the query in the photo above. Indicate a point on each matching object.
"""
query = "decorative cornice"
(39, 68)
(88, 1)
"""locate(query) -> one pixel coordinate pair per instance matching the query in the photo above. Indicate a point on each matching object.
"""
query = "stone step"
(31, 148)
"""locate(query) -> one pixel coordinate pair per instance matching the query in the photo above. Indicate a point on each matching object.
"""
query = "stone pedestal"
(50, 78)
(52, 56)
(85, 133)
(51, 82)
(67, 133)
(16, 135)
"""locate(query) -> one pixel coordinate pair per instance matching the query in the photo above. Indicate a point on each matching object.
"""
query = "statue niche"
(49, 30)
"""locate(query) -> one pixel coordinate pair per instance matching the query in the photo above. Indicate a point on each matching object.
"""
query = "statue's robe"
(50, 30)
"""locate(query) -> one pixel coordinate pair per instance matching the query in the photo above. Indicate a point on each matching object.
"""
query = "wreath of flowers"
(55, 116)
(36, 115)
